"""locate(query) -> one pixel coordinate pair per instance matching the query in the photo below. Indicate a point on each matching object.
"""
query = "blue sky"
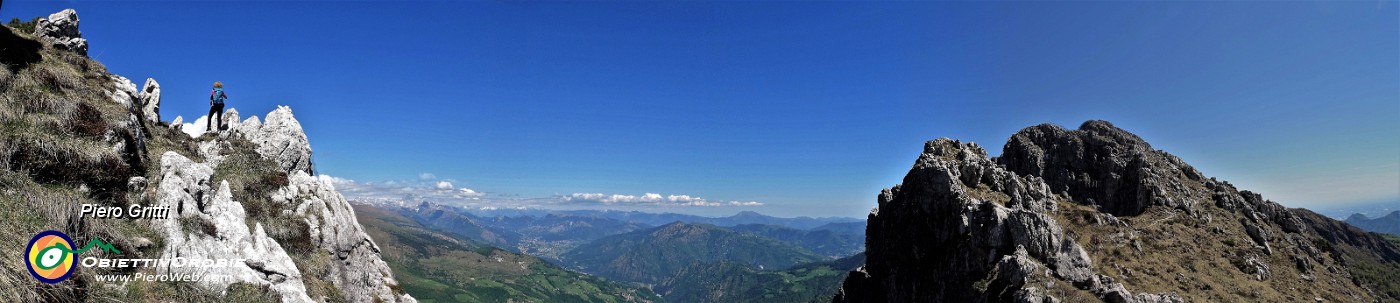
(808, 108)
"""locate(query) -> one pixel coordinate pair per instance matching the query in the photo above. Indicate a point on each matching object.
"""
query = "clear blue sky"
(807, 107)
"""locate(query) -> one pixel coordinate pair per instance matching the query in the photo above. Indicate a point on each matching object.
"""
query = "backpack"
(218, 96)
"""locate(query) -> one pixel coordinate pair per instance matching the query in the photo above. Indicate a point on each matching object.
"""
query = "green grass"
(1378, 275)
(22, 26)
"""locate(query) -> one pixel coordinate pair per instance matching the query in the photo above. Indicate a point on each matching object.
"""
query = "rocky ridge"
(247, 193)
(1096, 214)
(356, 269)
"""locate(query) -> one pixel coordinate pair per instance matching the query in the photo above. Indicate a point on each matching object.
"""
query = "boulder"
(136, 184)
(61, 30)
(1016, 269)
(1116, 293)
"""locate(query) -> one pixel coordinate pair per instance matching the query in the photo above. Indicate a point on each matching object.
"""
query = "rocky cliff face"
(1097, 214)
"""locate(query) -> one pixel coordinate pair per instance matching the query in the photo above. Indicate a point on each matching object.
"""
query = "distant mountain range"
(1388, 224)
(464, 224)
(755, 258)
(653, 255)
(549, 234)
(658, 219)
(435, 266)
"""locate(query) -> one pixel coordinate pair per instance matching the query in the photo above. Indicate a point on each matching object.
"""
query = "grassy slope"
(54, 121)
(1179, 253)
(435, 266)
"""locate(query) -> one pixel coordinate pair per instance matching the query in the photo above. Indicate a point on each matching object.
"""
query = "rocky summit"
(1097, 214)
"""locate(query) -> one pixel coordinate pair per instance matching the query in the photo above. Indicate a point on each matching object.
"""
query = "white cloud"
(411, 192)
(336, 180)
(467, 192)
(427, 176)
(650, 199)
(443, 191)
(195, 129)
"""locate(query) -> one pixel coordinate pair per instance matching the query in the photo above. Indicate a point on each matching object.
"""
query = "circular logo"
(49, 256)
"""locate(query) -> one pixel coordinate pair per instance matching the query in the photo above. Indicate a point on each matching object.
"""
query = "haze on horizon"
(785, 108)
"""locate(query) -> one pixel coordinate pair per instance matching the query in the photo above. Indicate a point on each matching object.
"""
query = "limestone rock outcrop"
(150, 100)
(230, 120)
(356, 266)
(127, 137)
(61, 30)
(280, 138)
(125, 93)
(206, 224)
(248, 126)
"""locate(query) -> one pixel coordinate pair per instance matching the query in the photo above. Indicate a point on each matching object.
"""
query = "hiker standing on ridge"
(216, 105)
